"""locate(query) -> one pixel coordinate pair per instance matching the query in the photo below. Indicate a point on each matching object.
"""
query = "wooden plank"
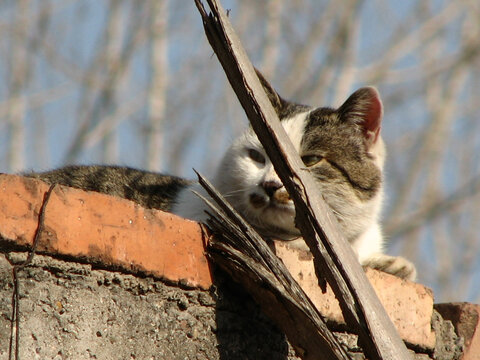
(333, 256)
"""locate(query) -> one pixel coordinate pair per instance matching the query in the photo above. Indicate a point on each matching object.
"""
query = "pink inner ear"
(373, 114)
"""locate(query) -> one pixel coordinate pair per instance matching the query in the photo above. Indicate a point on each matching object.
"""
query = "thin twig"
(15, 325)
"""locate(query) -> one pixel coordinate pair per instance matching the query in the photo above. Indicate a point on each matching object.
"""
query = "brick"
(408, 304)
(103, 229)
(465, 317)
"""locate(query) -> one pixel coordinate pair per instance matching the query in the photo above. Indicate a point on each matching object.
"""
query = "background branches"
(126, 82)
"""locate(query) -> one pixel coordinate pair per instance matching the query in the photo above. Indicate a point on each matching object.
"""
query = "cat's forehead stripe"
(295, 127)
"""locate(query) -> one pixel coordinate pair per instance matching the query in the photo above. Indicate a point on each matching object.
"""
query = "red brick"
(408, 304)
(465, 318)
(104, 229)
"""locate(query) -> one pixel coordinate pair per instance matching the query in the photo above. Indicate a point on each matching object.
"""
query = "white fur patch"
(238, 176)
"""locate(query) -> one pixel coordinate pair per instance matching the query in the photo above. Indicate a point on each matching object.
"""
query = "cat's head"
(342, 149)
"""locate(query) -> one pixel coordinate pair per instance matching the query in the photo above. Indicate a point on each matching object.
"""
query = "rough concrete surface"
(449, 345)
(465, 317)
(71, 311)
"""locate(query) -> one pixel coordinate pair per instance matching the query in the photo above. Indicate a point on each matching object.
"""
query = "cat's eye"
(310, 160)
(256, 156)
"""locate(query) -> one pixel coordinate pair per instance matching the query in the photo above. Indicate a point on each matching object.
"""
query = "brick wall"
(136, 282)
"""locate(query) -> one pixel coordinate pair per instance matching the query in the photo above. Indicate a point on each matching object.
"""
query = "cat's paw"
(395, 265)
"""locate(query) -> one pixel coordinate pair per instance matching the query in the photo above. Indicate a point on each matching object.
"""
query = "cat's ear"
(277, 102)
(364, 107)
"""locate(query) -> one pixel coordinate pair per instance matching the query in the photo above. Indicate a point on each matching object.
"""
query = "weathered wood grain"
(239, 250)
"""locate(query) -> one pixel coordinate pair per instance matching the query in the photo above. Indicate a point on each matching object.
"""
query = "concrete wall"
(70, 311)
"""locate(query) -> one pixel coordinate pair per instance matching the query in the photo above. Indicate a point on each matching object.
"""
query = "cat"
(341, 147)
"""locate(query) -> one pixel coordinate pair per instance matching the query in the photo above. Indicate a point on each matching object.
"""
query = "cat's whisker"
(232, 194)
(236, 191)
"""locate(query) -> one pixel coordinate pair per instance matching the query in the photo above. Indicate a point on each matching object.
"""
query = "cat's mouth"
(274, 219)
(265, 202)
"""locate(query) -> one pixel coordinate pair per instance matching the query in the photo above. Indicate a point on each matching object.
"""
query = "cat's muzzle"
(272, 194)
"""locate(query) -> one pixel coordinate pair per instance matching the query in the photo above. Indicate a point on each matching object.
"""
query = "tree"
(83, 78)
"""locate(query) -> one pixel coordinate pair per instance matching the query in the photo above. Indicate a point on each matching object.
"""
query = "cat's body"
(149, 189)
(341, 148)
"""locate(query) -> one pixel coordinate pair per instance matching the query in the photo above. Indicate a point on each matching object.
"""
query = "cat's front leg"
(395, 265)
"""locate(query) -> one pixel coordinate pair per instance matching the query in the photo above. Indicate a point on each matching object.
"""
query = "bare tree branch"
(157, 99)
(103, 100)
(19, 75)
(433, 211)
(272, 37)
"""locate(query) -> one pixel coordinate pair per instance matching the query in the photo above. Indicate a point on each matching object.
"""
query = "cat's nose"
(271, 186)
